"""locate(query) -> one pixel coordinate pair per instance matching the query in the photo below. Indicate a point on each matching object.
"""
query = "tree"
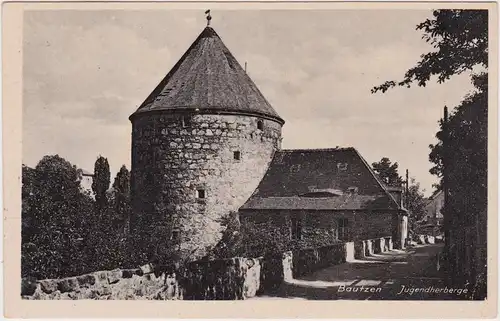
(29, 227)
(415, 202)
(54, 214)
(121, 189)
(100, 184)
(460, 38)
(250, 239)
(387, 172)
(467, 132)
(109, 244)
(415, 199)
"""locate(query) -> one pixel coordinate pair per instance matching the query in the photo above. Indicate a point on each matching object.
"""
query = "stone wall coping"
(374, 239)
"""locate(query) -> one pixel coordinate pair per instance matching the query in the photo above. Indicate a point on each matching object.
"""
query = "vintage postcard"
(283, 159)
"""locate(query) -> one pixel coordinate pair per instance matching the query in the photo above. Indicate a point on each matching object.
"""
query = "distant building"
(86, 181)
(433, 213)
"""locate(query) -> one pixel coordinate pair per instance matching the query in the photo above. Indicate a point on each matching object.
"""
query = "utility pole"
(446, 209)
(407, 184)
(407, 181)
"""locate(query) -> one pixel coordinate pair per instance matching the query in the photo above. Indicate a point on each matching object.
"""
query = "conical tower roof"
(208, 79)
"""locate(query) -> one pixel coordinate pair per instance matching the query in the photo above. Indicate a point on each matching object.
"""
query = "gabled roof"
(435, 194)
(438, 194)
(294, 173)
(208, 79)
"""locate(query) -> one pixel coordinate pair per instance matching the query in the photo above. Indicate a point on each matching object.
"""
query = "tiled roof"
(344, 202)
(295, 179)
(210, 79)
(435, 194)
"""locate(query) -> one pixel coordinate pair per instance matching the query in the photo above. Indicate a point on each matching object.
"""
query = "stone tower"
(201, 143)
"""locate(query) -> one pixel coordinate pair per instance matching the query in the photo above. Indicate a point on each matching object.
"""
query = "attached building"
(323, 195)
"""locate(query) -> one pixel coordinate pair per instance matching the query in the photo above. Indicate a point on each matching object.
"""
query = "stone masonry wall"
(310, 260)
(172, 159)
(320, 227)
(231, 279)
(373, 225)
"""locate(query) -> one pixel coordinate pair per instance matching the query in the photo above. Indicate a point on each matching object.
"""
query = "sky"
(85, 72)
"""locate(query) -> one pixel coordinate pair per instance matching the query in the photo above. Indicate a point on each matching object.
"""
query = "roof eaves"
(339, 149)
(211, 110)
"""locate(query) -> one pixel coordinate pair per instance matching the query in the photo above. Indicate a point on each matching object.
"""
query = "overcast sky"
(85, 72)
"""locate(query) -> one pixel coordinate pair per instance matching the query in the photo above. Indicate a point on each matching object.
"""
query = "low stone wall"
(309, 260)
(350, 252)
(429, 239)
(369, 247)
(359, 249)
(274, 271)
(231, 279)
(365, 248)
(389, 246)
(103, 285)
(377, 246)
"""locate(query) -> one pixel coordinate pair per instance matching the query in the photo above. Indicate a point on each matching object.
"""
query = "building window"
(343, 229)
(186, 121)
(296, 229)
(176, 234)
(260, 125)
(200, 193)
(237, 155)
(342, 166)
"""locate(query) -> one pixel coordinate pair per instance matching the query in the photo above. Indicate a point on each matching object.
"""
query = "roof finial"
(209, 17)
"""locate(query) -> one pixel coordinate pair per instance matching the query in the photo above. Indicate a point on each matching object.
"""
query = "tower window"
(260, 125)
(237, 155)
(200, 193)
(175, 236)
(186, 121)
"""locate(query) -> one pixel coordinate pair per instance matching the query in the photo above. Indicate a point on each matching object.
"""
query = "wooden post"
(446, 209)
(407, 184)
(407, 204)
